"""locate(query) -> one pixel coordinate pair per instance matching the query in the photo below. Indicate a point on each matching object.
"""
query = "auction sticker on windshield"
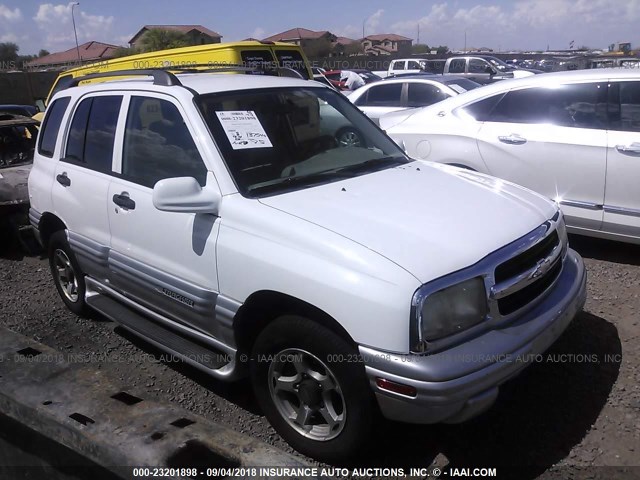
(243, 129)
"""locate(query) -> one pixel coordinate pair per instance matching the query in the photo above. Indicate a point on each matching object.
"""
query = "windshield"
(283, 139)
(499, 64)
(17, 144)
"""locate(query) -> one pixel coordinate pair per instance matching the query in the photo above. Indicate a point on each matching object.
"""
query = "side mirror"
(184, 194)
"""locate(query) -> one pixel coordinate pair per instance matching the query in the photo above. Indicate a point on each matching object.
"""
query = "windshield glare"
(276, 140)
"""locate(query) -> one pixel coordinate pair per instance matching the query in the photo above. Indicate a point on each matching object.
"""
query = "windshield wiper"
(374, 162)
(310, 179)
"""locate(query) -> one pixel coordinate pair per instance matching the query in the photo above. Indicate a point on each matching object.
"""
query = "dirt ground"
(577, 409)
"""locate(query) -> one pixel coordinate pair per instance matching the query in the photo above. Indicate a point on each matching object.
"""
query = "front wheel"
(349, 137)
(312, 389)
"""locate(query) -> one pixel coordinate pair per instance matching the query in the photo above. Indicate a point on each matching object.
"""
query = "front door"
(164, 260)
(553, 141)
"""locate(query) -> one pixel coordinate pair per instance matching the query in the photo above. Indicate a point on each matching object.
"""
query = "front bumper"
(459, 383)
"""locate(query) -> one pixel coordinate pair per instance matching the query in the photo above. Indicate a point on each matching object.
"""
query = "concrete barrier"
(71, 419)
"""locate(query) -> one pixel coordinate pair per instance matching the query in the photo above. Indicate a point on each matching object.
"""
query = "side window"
(457, 65)
(578, 105)
(398, 65)
(477, 65)
(92, 133)
(157, 144)
(481, 110)
(384, 95)
(413, 65)
(624, 110)
(51, 126)
(421, 95)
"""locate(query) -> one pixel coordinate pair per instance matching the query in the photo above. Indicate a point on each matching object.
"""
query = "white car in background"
(410, 91)
(572, 136)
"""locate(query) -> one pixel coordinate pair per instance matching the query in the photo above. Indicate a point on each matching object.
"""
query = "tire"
(67, 276)
(317, 388)
(349, 137)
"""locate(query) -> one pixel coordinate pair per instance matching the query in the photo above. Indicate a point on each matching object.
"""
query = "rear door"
(420, 94)
(622, 197)
(382, 98)
(82, 179)
(553, 141)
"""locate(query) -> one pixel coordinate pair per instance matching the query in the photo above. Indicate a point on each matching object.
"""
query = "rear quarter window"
(51, 126)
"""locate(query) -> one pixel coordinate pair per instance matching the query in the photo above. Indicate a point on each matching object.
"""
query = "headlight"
(449, 311)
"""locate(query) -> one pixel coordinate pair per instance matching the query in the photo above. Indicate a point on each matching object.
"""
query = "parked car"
(24, 110)
(17, 144)
(571, 136)
(334, 76)
(402, 92)
(209, 214)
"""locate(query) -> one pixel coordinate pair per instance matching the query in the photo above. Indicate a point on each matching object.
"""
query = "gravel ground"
(579, 407)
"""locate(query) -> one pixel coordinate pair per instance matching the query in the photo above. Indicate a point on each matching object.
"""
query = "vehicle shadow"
(607, 250)
(538, 418)
(239, 392)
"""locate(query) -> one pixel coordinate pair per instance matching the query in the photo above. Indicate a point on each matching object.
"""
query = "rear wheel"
(312, 389)
(67, 276)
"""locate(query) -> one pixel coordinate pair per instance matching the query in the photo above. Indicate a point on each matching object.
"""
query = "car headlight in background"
(448, 311)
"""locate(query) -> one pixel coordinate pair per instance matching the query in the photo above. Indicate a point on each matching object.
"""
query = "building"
(341, 45)
(196, 34)
(303, 37)
(386, 44)
(89, 52)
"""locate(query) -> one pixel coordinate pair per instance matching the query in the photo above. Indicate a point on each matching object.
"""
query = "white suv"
(213, 215)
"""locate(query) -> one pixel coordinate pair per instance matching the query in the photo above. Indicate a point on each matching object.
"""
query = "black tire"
(350, 137)
(299, 338)
(70, 284)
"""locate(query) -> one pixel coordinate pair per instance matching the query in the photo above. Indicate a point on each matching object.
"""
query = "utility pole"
(465, 41)
(418, 33)
(363, 22)
(73, 5)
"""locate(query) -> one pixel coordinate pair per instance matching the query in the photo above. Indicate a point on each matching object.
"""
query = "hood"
(13, 185)
(429, 219)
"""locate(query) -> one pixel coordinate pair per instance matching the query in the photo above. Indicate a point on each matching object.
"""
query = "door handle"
(633, 149)
(512, 139)
(63, 179)
(123, 200)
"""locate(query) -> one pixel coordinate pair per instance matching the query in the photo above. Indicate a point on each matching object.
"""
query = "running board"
(199, 354)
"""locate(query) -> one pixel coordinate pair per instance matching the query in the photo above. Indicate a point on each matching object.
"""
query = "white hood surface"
(429, 219)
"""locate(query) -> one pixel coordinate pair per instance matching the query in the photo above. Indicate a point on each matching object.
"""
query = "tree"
(320, 47)
(8, 52)
(354, 48)
(124, 52)
(420, 48)
(43, 53)
(442, 49)
(159, 39)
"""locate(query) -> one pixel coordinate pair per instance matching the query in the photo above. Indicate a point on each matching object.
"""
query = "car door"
(380, 99)
(479, 70)
(82, 178)
(165, 261)
(622, 197)
(552, 140)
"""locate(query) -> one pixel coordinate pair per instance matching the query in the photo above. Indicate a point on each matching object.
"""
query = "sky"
(497, 24)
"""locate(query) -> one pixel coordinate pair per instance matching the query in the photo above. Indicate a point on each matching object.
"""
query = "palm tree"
(159, 39)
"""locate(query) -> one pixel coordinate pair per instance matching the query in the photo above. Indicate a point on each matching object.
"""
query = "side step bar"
(198, 353)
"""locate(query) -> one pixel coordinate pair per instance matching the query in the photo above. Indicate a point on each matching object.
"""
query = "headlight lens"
(453, 309)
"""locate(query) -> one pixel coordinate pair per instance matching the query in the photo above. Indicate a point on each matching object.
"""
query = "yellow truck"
(256, 54)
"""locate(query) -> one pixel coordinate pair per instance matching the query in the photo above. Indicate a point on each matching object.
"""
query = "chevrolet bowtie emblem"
(541, 268)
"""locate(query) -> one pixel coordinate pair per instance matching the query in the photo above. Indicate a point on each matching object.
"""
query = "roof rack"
(160, 76)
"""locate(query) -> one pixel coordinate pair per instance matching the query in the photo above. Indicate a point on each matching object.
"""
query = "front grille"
(518, 273)
(527, 259)
(521, 298)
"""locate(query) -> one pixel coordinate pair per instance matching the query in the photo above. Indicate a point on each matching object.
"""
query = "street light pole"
(74, 30)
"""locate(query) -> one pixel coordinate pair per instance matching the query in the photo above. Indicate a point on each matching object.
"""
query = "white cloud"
(9, 37)
(258, 33)
(56, 23)
(526, 24)
(349, 31)
(372, 23)
(10, 15)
